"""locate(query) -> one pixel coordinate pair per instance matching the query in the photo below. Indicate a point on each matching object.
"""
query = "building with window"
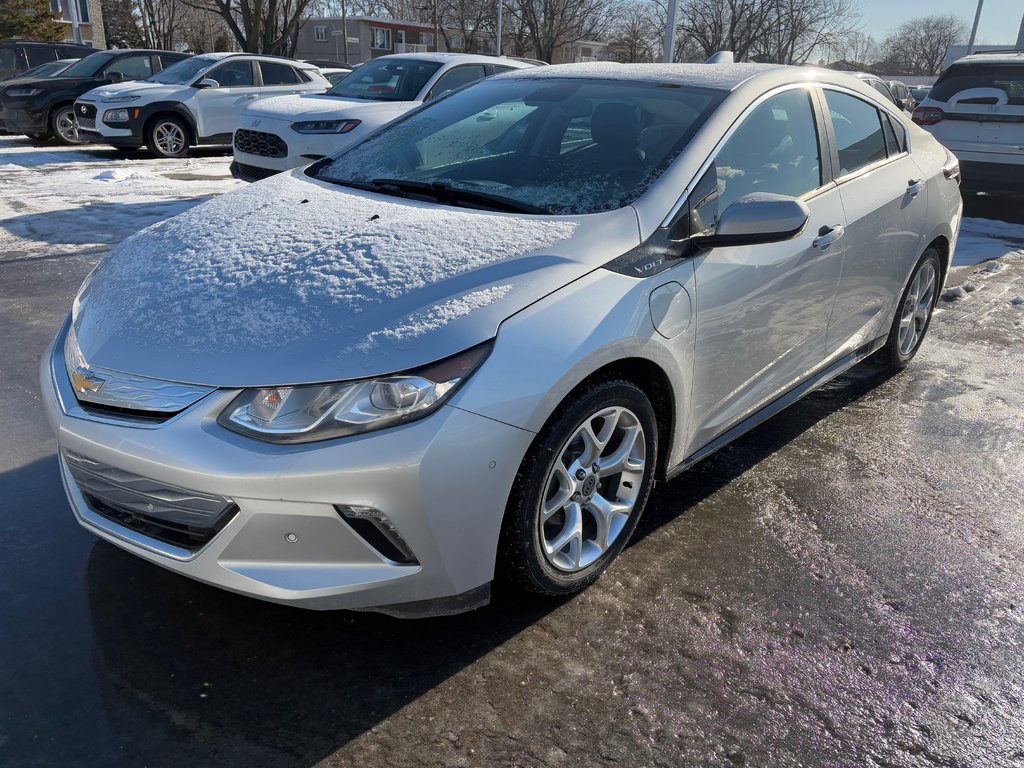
(323, 38)
(89, 17)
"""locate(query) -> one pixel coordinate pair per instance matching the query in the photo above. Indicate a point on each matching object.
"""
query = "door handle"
(827, 236)
(249, 97)
(914, 186)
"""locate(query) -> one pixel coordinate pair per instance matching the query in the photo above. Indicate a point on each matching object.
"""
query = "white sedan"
(289, 131)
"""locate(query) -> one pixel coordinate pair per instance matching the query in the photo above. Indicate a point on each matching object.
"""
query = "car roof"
(1009, 56)
(724, 77)
(464, 58)
(261, 56)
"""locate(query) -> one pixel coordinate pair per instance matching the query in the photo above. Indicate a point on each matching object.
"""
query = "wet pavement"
(842, 587)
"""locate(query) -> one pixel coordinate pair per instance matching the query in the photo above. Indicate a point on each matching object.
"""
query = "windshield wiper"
(446, 193)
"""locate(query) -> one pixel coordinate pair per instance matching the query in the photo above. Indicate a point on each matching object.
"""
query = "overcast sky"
(1000, 19)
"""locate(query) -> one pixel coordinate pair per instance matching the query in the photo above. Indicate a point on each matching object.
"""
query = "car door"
(885, 199)
(218, 109)
(762, 311)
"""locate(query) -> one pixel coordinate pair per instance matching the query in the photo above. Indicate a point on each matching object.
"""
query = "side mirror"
(760, 217)
(206, 82)
(115, 77)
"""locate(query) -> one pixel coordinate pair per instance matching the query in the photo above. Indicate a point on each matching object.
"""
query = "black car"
(42, 108)
(16, 56)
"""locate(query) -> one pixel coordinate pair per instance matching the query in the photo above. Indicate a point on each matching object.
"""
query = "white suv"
(197, 101)
(976, 109)
(284, 133)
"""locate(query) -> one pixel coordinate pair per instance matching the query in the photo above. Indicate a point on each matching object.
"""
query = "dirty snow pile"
(984, 239)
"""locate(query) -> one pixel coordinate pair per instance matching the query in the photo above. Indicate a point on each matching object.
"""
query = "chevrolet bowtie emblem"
(84, 381)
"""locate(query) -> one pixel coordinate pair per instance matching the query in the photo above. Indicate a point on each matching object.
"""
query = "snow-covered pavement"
(58, 199)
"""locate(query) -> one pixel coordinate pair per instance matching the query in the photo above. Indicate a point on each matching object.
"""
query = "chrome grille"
(260, 143)
(85, 114)
(165, 512)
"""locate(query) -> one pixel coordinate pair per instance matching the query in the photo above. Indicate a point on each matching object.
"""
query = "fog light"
(377, 530)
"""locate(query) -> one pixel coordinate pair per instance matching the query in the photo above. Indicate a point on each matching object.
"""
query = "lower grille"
(260, 143)
(251, 172)
(87, 123)
(186, 519)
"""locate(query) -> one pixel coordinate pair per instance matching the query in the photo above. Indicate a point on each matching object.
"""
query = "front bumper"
(19, 117)
(300, 148)
(442, 481)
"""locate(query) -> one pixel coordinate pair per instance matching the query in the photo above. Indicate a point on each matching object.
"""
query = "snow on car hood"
(294, 280)
(150, 91)
(319, 106)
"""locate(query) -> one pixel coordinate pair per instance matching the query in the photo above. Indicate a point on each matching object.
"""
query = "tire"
(64, 125)
(167, 136)
(528, 553)
(922, 291)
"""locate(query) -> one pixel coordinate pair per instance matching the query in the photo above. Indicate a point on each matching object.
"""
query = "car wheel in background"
(580, 490)
(167, 136)
(913, 313)
(64, 125)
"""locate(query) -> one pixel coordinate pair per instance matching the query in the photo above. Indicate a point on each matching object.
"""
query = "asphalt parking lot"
(842, 587)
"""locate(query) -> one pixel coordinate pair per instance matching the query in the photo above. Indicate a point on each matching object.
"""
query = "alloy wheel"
(592, 489)
(66, 126)
(170, 138)
(917, 307)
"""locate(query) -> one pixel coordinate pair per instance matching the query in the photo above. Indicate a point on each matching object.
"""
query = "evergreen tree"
(29, 19)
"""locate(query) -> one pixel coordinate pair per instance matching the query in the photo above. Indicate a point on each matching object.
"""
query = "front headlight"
(325, 126)
(120, 99)
(308, 413)
(22, 93)
(115, 116)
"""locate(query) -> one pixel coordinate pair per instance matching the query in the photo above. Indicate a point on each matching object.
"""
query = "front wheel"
(167, 137)
(65, 126)
(913, 313)
(581, 490)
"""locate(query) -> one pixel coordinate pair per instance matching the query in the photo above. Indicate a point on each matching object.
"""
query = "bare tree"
(260, 26)
(918, 46)
(859, 48)
(551, 24)
(635, 33)
(158, 21)
(797, 28)
(724, 25)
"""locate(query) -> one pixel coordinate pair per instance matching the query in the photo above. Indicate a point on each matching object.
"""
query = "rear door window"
(40, 55)
(12, 58)
(858, 130)
(1008, 78)
(275, 73)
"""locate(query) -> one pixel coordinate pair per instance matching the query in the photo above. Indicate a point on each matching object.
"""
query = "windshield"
(184, 71)
(44, 70)
(562, 146)
(89, 66)
(386, 80)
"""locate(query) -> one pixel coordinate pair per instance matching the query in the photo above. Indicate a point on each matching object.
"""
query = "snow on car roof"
(471, 58)
(718, 76)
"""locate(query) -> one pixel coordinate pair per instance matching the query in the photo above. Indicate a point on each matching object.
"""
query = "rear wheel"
(913, 314)
(64, 125)
(167, 136)
(581, 490)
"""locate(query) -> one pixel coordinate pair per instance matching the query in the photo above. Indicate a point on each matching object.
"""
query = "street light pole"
(344, 29)
(974, 29)
(670, 31)
(500, 4)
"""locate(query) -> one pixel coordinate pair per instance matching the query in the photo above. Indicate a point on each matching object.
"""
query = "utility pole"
(974, 29)
(670, 31)
(344, 29)
(500, 4)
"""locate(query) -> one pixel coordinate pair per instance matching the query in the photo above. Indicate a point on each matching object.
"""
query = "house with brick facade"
(363, 37)
(89, 17)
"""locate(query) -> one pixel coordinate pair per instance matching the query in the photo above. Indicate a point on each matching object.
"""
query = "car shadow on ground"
(33, 154)
(255, 683)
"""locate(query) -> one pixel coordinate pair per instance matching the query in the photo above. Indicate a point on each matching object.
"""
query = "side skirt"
(779, 404)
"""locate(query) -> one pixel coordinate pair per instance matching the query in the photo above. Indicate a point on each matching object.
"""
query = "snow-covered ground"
(58, 199)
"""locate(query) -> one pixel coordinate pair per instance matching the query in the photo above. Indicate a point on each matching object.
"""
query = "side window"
(275, 73)
(858, 130)
(40, 55)
(775, 149)
(456, 78)
(899, 132)
(884, 90)
(234, 74)
(131, 67)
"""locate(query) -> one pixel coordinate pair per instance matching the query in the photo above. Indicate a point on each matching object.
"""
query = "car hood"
(319, 106)
(150, 91)
(293, 281)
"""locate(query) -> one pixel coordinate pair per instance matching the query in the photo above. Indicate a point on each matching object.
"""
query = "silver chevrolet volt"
(466, 347)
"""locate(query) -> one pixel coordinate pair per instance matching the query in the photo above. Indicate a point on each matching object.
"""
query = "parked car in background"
(279, 134)
(44, 107)
(334, 74)
(901, 93)
(433, 357)
(976, 109)
(919, 93)
(51, 69)
(18, 56)
(874, 81)
(197, 102)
